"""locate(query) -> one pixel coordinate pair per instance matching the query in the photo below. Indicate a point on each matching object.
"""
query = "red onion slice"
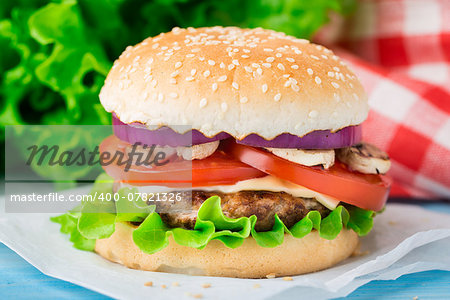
(319, 139)
(164, 136)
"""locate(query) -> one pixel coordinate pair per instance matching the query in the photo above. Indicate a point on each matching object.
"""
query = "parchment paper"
(405, 239)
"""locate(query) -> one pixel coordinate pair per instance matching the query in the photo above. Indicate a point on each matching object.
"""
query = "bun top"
(239, 81)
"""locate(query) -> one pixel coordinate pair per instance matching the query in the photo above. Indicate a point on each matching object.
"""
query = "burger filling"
(244, 202)
(263, 204)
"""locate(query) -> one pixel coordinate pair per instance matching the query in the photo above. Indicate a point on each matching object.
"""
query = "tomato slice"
(217, 169)
(366, 191)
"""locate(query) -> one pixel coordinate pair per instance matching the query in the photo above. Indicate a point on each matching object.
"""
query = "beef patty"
(263, 204)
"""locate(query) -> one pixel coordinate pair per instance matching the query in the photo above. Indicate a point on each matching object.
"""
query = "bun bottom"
(294, 257)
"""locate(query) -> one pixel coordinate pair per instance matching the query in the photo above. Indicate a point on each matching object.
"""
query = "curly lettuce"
(96, 220)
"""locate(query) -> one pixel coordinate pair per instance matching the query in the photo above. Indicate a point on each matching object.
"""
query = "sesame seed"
(206, 73)
(287, 278)
(235, 62)
(248, 69)
(193, 71)
(174, 74)
(335, 85)
(331, 74)
(295, 87)
(235, 85)
(166, 58)
(160, 97)
(315, 57)
(190, 55)
(150, 61)
(337, 97)
(271, 275)
(287, 83)
(214, 87)
(194, 50)
(245, 56)
(336, 69)
(222, 78)
(155, 46)
(324, 56)
(190, 78)
(201, 58)
(267, 65)
(281, 67)
(243, 100)
(313, 114)
(148, 283)
(278, 55)
(268, 50)
(259, 71)
(246, 50)
(255, 65)
(290, 59)
(318, 80)
(203, 102)
(270, 59)
(173, 95)
(310, 71)
(295, 67)
(206, 285)
(264, 88)
(230, 67)
(277, 97)
(211, 62)
(224, 106)
(222, 65)
(286, 75)
(297, 51)
(173, 81)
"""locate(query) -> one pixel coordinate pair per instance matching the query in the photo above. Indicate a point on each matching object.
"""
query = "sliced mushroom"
(365, 158)
(306, 157)
(198, 151)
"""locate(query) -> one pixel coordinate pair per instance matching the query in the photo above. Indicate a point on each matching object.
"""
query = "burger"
(261, 135)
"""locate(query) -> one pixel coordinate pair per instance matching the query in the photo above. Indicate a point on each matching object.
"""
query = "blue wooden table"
(20, 280)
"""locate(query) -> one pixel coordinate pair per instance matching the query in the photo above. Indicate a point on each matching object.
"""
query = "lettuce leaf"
(69, 226)
(96, 220)
(131, 209)
(98, 215)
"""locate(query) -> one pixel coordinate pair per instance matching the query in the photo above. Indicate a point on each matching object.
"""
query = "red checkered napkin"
(400, 49)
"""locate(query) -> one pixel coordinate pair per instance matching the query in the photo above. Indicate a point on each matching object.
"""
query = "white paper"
(405, 239)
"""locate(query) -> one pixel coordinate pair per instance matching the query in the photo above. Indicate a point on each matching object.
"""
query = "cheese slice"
(268, 183)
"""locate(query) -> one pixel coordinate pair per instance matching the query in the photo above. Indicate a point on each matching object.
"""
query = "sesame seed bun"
(294, 257)
(240, 81)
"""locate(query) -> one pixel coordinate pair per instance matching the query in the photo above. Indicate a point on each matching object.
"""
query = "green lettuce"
(96, 220)
(56, 54)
